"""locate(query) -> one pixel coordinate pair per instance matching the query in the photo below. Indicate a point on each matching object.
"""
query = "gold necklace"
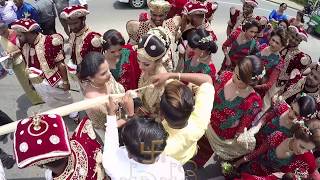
(91, 84)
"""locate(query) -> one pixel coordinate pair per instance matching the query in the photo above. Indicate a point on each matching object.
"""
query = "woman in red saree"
(239, 44)
(122, 59)
(284, 154)
(236, 104)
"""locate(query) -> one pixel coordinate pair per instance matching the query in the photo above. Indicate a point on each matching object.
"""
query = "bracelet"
(245, 159)
(127, 118)
(65, 82)
(179, 76)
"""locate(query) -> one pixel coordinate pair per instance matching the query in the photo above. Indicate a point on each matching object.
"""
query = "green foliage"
(302, 2)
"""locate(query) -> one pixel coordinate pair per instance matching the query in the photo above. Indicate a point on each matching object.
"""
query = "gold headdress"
(159, 6)
(162, 34)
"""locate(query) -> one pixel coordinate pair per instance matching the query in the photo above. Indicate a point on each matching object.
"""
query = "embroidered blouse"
(231, 117)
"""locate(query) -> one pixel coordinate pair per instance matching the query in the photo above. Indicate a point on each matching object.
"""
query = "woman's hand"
(121, 122)
(112, 107)
(160, 79)
(128, 104)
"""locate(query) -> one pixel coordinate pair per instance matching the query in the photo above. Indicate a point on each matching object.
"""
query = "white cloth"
(48, 174)
(77, 2)
(53, 96)
(118, 165)
(2, 174)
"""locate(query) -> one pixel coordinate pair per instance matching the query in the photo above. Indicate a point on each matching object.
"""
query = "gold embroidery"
(88, 129)
(289, 57)
(294, 89)
(76, 41)
(77, 166)
(98, 169)
(151, 96)
(40, 51)
(68, 170)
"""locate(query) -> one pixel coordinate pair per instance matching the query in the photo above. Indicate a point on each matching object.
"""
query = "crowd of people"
(170, 113)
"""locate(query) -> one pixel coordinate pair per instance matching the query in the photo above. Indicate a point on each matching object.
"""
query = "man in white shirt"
(141, 157)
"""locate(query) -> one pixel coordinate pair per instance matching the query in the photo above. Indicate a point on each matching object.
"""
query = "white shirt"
(119, 167)
(2, 174)
(48, 174)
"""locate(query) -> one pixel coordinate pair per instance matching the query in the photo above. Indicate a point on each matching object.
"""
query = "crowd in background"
(171, 113)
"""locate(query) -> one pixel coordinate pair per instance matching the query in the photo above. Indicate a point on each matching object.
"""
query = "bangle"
(245, 159)
(127, 118)
(65, 82)
(179, 76)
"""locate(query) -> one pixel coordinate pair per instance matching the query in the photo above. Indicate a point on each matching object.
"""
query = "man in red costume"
(237, 17)
(308, 84)
(178, 5)
(195, 16)
(82, 39)
(44, 63)
(296, 62)
(43, 141)
(158, 13)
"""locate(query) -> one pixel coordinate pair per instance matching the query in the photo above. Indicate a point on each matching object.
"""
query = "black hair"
(251, 23)
(143, 135)
(301, 14)
(289, 176)
(177, 104)
(285, 21)
(250, 67)
(56, 163)
(195, 37)
(112, 38)
(307, 105)
(90, 64)
(187, 33)
(283, 4)
(154, 47)
(282, 35)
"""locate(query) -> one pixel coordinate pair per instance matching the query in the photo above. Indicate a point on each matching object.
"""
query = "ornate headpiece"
(260, 76)
(74, 12)
(159, 6)
(211, 7)
(40, 139)
(300, 31)
(206, 39)
(160, 33)
(253, 3)
(262, 20)
(25, 25)
(195, 7)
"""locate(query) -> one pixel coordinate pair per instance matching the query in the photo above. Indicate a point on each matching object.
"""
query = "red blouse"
(263, 161)
(231, 117)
